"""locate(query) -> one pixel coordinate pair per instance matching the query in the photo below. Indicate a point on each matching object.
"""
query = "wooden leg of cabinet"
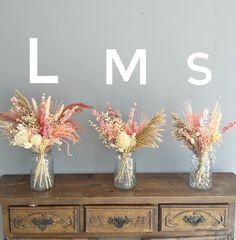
(6, 225)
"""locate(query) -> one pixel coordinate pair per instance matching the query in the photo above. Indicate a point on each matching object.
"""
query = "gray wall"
(73, 36)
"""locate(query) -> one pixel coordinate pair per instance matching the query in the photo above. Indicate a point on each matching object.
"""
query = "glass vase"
(42, 172)
(201, 173)
(125, 171)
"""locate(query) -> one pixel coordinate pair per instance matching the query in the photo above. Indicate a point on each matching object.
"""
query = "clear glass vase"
(200, 177)
(42, 172)
(125, 171)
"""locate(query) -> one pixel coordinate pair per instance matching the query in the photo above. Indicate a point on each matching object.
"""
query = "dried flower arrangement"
(126, 137)
(200, 133)
(40, 126)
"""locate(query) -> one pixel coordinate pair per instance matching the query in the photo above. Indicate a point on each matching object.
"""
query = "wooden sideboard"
(87, 206)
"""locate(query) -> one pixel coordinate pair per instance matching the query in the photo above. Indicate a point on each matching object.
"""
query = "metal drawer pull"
(118, 221)
(42, 223)
(194, 219)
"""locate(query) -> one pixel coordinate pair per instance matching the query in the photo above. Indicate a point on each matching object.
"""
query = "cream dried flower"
(123, 141)
(22, 138)
(36, 140)
(27, 145)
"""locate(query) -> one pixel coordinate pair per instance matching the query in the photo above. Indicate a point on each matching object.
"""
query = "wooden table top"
(151, 188)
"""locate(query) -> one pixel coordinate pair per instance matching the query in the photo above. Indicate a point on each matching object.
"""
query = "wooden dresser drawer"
(194, 217)
(124, 219)
(44, 219)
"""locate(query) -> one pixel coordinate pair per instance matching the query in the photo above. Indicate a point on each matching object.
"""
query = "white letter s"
(197, 68)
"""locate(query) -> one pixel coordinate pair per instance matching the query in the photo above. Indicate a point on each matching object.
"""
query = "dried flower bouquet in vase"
(39, 126)
(125, 138)
(200, 133)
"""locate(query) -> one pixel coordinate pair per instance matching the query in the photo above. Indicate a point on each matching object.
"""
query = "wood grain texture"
(6, 219)
(121, 219)
(191, 238)
(194, 213)
(53, 239)
(44, 219)
(117, 238)
(98, 188)
(194, 217)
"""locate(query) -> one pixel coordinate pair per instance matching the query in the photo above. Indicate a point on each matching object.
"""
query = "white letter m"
(139, 56)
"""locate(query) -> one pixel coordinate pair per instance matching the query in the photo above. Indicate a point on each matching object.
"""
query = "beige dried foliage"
(24, 104)
(214, 124)
(149, 136)
(6, 130)
(180, 125)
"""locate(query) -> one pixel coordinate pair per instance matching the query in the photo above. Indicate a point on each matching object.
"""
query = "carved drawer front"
(122, 219)
(194, 217)
(44, 219)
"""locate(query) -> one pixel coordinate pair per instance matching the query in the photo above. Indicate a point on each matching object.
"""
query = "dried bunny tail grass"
(35, 106)
(23, 103)
(150, 135)
(48, 107)
(214, 124)
(188, 108)
(59, 109)
(216, 116)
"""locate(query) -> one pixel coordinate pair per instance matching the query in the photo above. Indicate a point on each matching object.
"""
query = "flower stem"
(41, 174)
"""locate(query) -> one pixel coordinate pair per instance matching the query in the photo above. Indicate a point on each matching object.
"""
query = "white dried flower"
(36, 140)
(192, 141)
(27, 145)
(22, 138)
(123, 141)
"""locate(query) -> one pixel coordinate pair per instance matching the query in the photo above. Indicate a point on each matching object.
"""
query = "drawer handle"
(118, 221)
(42, 223)
(194, 219)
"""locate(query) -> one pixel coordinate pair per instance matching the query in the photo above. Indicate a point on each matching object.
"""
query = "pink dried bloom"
(96, 114)
(38, 120)
(228, 126)
(67, 114)
(46, 130)
(111, 111)
(110, 125)
(133, 129)
(131, 116)
(194, 120)
(14, 100)
(203, 128)
(203, 139)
